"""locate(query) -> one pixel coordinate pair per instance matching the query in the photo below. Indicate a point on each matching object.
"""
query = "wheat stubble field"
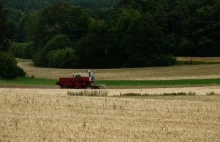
(52, 115)
(33, 115)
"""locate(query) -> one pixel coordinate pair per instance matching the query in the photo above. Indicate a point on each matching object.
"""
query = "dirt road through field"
(198, 90)
(107, 87)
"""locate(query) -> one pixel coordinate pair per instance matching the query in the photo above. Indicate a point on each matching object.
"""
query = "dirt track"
(108, 87)
(113, 90)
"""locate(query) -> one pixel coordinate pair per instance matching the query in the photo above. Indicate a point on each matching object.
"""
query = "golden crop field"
(202, 71)
(52, 115)
(28, 115)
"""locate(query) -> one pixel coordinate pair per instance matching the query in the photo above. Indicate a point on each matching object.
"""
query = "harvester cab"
(89, 74)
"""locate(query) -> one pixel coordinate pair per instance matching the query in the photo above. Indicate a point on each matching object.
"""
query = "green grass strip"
(40, 81)
(158, 82)
(29, 81)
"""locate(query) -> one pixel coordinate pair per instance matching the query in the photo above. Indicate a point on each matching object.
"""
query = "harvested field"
(52, 115)
(202, 59)
(150, 73)
(46, 113)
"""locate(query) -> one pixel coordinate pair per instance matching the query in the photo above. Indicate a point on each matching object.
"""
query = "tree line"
(110, 34)
(8, 64)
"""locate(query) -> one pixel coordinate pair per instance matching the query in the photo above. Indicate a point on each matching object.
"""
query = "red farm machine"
(80, 81)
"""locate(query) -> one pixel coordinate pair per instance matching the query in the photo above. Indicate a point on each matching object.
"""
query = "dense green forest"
(112, 33)
(8, 64)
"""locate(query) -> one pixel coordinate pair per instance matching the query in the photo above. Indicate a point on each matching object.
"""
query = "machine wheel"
(78, 77)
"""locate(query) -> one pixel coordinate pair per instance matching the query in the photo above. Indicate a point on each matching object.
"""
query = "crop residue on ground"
(52, 115)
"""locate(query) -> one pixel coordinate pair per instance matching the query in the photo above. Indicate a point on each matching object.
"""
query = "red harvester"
(80, 81)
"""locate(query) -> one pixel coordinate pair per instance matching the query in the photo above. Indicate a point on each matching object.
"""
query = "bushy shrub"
(160, 60)
(20, 71)
(8, 65)
(63, 58)
(166, 60)
(40, 59)
(44, 58)
(22, 50)
(58, 42)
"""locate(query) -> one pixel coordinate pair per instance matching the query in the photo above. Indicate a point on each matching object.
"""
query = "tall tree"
(8, 64)
(4, 43)
(206, 30)
(60, 18)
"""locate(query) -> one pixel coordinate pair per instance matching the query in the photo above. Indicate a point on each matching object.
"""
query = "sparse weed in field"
(84, 124)
(180, 94)
(101, 93)
(114, 106)
(211, 93)
(164, 94)
(132, 94)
